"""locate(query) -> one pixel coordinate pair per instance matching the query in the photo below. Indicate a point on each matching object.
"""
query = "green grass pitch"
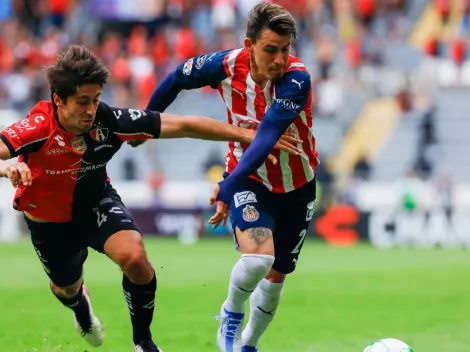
(338, 300)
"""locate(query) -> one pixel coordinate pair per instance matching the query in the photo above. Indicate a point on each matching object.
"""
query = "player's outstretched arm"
(198, 127)
(4, 152)
(16, 172)
(197, 72)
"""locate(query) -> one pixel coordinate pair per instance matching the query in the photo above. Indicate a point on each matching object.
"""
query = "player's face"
(270, 54)
(78, 114)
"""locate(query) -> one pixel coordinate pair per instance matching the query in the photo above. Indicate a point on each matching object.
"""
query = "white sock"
(263, 304)
(245, 276)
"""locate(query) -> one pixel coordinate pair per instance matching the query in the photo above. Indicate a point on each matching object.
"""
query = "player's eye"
(270, 50)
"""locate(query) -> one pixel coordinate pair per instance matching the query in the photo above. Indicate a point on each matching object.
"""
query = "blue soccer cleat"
(249, 349)
(229, 331)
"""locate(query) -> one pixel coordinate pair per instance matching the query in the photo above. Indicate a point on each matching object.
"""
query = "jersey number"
(102, 218)
(302, 235)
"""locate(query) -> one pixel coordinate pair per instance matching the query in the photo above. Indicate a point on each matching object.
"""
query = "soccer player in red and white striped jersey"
(271, 206)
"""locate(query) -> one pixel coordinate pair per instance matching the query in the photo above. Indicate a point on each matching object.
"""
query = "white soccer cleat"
(229, 332)
(93, 334)
(147, 346)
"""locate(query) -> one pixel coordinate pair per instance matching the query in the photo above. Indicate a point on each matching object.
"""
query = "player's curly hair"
(76, 65)
(266, 15)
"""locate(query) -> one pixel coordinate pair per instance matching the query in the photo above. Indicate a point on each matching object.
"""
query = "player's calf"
(76, 297)
(245, 276)
(263, 305)
(139, 282)
(257, 247)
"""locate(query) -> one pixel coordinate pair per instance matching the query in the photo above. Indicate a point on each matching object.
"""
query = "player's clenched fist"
(18, 174)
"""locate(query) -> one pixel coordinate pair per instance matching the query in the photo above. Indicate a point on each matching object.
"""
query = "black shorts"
(62, 248)
(287, 215)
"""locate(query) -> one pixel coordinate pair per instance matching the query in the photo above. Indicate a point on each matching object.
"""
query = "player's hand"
(19, 174)
(288, 144)
(221, 212)
(272, 159)
(136, 143)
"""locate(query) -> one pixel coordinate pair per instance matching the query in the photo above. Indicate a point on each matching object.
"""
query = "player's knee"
(276, 277)
(133, 260)
(257, 264)
(68, 291)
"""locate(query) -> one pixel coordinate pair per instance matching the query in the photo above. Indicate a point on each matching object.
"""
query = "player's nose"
(91, 110)
(279, 59)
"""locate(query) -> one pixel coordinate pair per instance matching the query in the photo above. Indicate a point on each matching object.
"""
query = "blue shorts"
(287, 215)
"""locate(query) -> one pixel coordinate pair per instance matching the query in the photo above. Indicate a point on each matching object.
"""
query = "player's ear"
(248, 45)
(57, 100)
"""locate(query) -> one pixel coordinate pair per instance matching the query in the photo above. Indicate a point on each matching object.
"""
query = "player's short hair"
(76, 65)
(266, 15)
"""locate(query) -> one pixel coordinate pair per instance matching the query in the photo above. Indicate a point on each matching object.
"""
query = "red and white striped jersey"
(247, 104)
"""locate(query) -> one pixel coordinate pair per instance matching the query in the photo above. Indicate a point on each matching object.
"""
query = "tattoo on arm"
(259, 235)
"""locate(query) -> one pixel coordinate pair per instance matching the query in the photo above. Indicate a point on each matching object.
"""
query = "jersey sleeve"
(204, 70)
(27, 135)
(291, 95)
(197, 72)
(131, 124)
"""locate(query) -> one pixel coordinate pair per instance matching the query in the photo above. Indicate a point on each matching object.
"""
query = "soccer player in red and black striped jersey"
(63, 146)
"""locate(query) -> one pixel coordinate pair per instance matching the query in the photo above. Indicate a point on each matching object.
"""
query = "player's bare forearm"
(3, 166)
(4, 155)
(199, 127)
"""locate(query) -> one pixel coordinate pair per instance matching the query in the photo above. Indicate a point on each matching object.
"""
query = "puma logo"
(238, 92)
(298, 83)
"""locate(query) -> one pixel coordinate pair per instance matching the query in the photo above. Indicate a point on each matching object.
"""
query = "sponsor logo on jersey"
(200, 61)
(288, 105)
(56, 151)
(99, 134)
(245, 197)
(103, 147)
(60, 140)
(77, 170)
(188, 67)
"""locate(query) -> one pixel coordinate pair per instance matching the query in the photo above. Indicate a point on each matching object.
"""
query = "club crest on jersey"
(250, 213)
(99, 134)
(79, 145)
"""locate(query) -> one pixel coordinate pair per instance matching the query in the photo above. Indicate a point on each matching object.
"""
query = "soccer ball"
(388, 345)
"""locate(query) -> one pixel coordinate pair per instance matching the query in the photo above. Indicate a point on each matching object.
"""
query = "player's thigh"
(251, 218)
(59, 250)
(292, 223)
(109, 217)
